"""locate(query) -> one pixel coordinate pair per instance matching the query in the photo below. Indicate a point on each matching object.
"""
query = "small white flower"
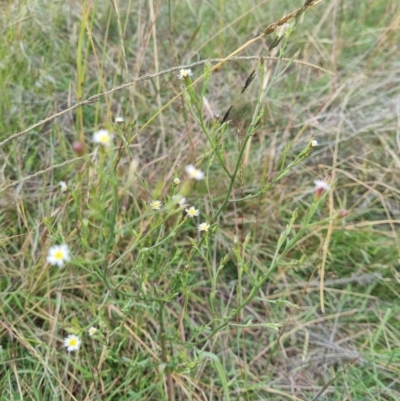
(193, 172)
(321, 185)
(177, 181)
(184, 73)
(58, 255)
(92, 331)
(179, 200)
(203, 226)
(192, 211)
(314, 143)
(103, 137)
(155, 205)
(119, 120)
(283, 29)
(63, 186)
(72, 343)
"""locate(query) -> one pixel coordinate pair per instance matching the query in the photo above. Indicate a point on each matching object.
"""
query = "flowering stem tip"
(185, 73)
(320, 187)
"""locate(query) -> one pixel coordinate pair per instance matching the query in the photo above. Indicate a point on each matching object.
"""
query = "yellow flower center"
(156, 205)
(73, 342)
(59, 255)
(104, 138)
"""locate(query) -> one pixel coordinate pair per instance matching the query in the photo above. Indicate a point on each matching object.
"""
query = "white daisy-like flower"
(203, 227)
(92, 331)
(321, 185)
(63, 186)
(314, 143)
(119, 120)
(179, 200)
(192, 212)
(103, 137)
(155, 204)
(58, 255)
(193, 172)
(72, 343)
(184, 73)
(177, 181)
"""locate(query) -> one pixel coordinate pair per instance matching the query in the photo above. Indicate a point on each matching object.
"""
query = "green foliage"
(287, 293)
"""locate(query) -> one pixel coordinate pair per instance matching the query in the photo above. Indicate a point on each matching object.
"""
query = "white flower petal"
(58, 255)
(72, 343)
(194, 173)
(92, 331)
(155, 205)
(192, 211)
(103, 137)
(321, 184)
(184, 73)
(63, 186)
(203, 226)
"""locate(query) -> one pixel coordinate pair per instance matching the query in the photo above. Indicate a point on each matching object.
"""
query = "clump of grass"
(182, 251)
